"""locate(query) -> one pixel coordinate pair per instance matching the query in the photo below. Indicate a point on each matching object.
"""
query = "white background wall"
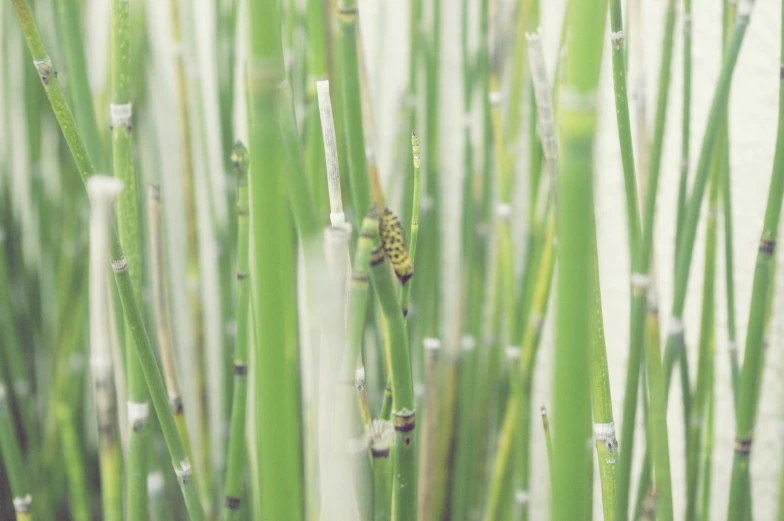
(753, 116)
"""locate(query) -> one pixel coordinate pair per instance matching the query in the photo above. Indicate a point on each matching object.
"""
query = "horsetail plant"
(119, 262)
(235, 460)
(130, 238)
(103, 190)
(753, 361)
(577, 112)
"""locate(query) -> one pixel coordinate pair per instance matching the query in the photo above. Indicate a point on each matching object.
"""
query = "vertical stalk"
(103, 190)
(128, 221)
(348, 17)
(701, 393)
(548, 439)
(640, 280)
(572, 492)
(405, 292)
(685, 123)
(235, 460)
(15, 467)
(754, 357)
(404, 493)
(280, 470)
(427, 467)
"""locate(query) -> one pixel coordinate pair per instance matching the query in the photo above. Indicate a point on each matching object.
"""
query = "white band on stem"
(495, 97)
(695, 421)
(337, 218)
(183, 470)
(504, 210)
(687, 22)
(604, 431)
(121, 114)
(431, 343)
(359, 374)
(512, 352)
(22, 504)
(468, 120)
(138, 412)
(616, 37)
(676, 326)
(521, 496)
(45, 69)
(535, 320)
(155, 482)
(467, 343)
(120, 265)
(575, 100)
(640, 280)
(732, 346)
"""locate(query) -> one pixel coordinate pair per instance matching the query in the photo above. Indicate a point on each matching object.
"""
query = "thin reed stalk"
(103, 190)
(718, 108)
(15, 467)
(685, 123)
(405, 292)
(702, 391)
(429, 435)
(348, 17)
(235, 459)
(754, 357)
(640, 281)
(130, 237)
(163, 319)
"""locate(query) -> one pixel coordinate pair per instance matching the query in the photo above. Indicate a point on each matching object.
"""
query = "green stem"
(754, 357)
(405, 293)
(572, 490)
(235, 460)
(280, 470)
(404, 495)
(15, 467)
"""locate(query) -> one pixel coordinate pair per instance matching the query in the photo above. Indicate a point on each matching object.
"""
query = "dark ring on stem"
(242, 275)
(405, 421)
(743, 446)
(377, 256)
(367, 235)
(233, 503)
(359, 277)
(348, 13)
(155, 192)
(767, 245)
(240, 369)
(380, 453)
(242, 211)
(176, 405)
(781, 72)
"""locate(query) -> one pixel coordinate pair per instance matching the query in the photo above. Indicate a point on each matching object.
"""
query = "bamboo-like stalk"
(235, 460)
(640, 281)
(753, 362)
(428, 437)
(716, 114)
(707, 457)
(515, 427)
(685, 123)
(699, 404)
(130, 238)
(348, 20)
(73, 461)
(163, 319)
(103, 190)
(404, 494)
(69, 27)
(577, 112)
(316, 71)
(380, 435)
(15, 468)
(195, 311)
(624, 125)
(601, 401)
(726, 205)
(125, 289)
(405, 292)
(280, 466)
